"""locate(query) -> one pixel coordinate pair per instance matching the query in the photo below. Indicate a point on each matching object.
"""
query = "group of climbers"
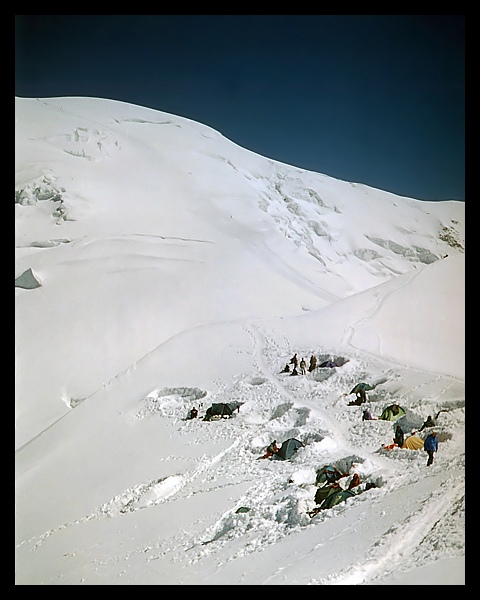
(393, 412)
(330, 491)
(330, 363)
(412, 442)
(302, 364)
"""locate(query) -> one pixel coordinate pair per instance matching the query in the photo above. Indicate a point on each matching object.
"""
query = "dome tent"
(329, 496)
(221, 410)
(362, 386)
(288, 448)
(413, 443)
(338, 496)
(392, 413)
(325, 491)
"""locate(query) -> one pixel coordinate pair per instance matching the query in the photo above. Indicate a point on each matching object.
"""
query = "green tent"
(337, 497)
(221, 410)
(392, 413)
(242, 509)
(288, 448)
(325, 491)
(362, 386)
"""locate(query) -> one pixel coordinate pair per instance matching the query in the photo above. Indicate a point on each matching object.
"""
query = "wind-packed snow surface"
(159, 267)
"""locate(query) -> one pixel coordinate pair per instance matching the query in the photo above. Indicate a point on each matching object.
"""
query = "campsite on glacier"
(159, 266)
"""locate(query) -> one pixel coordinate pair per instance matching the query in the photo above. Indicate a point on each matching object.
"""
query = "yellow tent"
(413, 443)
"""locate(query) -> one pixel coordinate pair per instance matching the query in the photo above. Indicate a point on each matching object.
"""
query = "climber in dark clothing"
(399, 437)
(430, 445)
(193, 414)
(428, 423)
(361, 395)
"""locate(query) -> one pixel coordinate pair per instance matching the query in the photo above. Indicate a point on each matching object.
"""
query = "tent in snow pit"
(392, 413)
(288, 448)
(328, 474)
(330, 498)
(325, 491)
(337, 497)
(413, 443)
(221, 410)
(362, 387)
(332, 362)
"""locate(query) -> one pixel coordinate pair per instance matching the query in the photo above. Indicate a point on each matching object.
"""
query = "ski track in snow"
(312, 408)
(284, 407)
(402, 541)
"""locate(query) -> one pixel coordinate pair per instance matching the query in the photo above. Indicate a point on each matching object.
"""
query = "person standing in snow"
(361, 395)
(428, 423)
(294, 361)
(303, 366)
(430, 445)
(399, 437)
(313, 363)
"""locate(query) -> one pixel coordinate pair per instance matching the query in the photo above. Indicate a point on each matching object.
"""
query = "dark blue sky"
(373, 99)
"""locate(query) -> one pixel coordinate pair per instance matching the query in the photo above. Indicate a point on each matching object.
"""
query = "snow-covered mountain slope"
(105, 187)
(176, 268)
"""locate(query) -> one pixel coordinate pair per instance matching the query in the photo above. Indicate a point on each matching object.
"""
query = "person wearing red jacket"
(271, 450)
(355, 481)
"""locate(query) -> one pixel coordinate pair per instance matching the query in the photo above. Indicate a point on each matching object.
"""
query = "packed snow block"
(322, 374)
(27, 280)
(410, 421)
(331, 363)
(442, 434)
